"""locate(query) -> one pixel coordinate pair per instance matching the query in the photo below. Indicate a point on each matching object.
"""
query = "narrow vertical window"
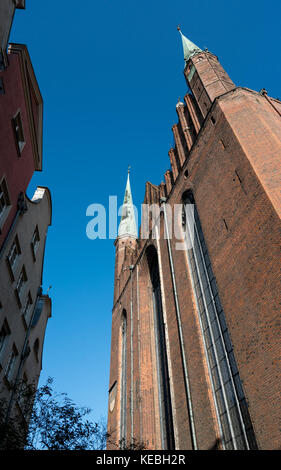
(112, 396)
(165, 405)
(13, 257)
(35, 242)
(20, 287)
(18, 132)
(10, 369)
(14, 252)
(5, 203)
(26, 312)
(2, 89)
(123, 379)
(4, 334)
(231, 408)
(23, 394)
(36, 349)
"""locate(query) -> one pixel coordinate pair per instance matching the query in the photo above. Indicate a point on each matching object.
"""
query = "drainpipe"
(182, 347)
(131, 267)
(139, 346)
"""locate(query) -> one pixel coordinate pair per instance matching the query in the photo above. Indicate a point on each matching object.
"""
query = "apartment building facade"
(24, 222)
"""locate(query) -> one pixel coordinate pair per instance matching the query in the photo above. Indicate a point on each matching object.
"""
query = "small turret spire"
(127, 227)
(189, 48)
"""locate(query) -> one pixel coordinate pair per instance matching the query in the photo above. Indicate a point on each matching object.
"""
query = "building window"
(36, 349)
(5, 203)
(123, 379)
(13, 256)
(2, 60)
(18, 131)
(10, 369)
(4, 335)
(27, 309)
(230, 403)
(14, 252)
(20, 287)
(2, 89)
(23, 394)
(20, 4)
(112, 396)
(35, 242)
(165, 404)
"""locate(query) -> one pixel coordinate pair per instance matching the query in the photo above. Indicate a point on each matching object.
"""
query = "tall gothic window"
(231, 407)
(123, 379)
(166, 419)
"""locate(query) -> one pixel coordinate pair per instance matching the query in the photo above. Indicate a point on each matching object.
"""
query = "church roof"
(127, 226)
(189, 48)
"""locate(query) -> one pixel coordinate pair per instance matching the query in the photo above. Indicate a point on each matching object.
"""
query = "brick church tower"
(195, 345)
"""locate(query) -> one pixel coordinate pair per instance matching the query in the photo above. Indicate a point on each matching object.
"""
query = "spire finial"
(179, 27)
(129, 168)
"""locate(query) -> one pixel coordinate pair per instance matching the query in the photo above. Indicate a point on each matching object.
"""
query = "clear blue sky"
(111, 73)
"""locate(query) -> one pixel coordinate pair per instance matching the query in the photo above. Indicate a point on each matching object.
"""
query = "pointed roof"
(189, 48)
(127, 226)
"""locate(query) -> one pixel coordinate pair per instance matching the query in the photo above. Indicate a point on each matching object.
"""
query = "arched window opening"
(165, 405)
(231, 407)
(123, 379)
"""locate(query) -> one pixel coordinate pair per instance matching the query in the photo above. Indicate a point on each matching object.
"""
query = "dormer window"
(18, 131)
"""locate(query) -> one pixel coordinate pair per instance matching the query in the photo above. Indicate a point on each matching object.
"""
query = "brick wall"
(234, 172)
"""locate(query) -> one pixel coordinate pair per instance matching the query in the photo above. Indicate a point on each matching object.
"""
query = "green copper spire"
(189, 48)
(127, 227)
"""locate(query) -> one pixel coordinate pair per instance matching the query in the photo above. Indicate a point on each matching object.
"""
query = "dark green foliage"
(55, 422)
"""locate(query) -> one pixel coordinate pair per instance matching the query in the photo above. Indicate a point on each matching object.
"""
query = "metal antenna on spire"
(129, 168)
